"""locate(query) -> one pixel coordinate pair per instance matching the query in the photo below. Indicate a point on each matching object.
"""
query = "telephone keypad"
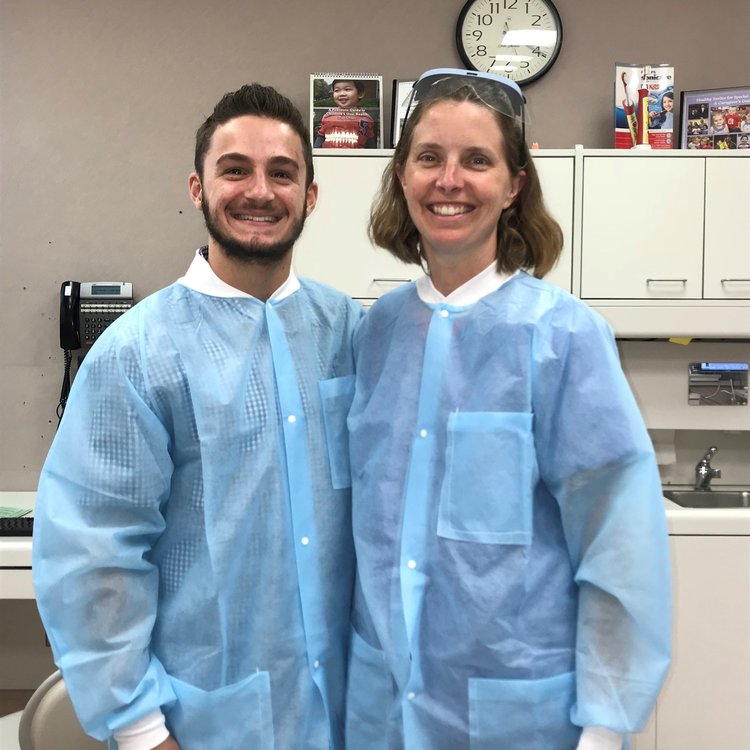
(96, 316)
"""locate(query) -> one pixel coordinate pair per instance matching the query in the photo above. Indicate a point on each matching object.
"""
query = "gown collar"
(200, 277)
(484, 283)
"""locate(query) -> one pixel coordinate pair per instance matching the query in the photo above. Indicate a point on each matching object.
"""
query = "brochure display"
(346, 110)
(644, 105)
(715, 119)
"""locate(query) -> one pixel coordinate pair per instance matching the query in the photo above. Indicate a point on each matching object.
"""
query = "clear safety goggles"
(498, 93)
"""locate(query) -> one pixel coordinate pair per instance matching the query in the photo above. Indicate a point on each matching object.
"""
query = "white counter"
(15, 552)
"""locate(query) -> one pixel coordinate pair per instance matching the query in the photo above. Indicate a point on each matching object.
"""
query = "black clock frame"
(470, 65)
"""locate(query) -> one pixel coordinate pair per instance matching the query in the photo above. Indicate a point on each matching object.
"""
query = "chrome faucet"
(704, 472)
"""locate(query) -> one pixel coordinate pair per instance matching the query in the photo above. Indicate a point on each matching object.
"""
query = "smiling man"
(193, 559)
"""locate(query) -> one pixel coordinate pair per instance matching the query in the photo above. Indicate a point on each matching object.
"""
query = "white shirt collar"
(484, 283)
(200, 277)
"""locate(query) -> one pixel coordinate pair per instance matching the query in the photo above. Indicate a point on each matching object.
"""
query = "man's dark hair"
(261, 101)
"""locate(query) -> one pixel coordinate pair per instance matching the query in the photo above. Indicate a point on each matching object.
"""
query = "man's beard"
(254, 251)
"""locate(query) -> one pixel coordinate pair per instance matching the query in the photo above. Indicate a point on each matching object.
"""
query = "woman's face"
(457, 183)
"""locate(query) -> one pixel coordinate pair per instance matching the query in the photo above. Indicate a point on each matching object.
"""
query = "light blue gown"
(192, 548)
(513, 577)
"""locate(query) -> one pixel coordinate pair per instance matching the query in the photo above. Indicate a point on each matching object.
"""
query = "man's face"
(253, 194)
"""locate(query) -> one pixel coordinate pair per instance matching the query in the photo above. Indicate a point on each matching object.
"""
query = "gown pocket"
(528, 714)
(234, 717)
(336, 397)
(369, 696)
(490, 472)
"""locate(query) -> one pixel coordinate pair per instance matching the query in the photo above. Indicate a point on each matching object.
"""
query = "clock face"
(518, 39)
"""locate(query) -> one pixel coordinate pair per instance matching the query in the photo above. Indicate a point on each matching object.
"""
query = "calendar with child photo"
(346, 110)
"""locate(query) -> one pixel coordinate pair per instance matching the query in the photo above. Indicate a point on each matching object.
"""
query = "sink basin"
(709, 498)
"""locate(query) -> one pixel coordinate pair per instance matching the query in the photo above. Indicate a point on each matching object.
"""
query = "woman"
(513, 580)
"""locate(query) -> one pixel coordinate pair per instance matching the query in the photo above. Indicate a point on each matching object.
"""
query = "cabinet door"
(334, 247)
(642, 233)
(705, 702)
(727, 271)
(556, 177)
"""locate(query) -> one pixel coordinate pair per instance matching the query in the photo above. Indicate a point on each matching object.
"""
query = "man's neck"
(256, 279)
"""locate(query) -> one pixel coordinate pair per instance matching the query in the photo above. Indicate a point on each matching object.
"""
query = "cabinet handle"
(669, 281)
(392, 281)
(732, 281)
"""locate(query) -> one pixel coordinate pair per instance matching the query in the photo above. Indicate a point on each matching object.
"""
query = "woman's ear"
(516, 187)
(399, 171)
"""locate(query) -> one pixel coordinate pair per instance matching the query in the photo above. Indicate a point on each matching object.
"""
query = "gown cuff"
(599, 738)
(144, 734)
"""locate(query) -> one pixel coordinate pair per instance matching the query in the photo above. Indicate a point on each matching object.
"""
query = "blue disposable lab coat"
(513, 578)
(192, 549)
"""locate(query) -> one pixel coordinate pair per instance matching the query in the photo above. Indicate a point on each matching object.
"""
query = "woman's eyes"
(475, 160)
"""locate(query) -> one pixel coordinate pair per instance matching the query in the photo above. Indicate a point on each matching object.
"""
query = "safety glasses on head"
(496, 92)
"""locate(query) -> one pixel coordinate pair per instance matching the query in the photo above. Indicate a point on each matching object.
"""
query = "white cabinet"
(334, 247)
(556, 177)
(655, 241)
(642, 228)
(705, 702)
(727, 271)
(665, 227)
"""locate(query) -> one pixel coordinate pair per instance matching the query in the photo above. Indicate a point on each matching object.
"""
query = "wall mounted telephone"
(86, 309)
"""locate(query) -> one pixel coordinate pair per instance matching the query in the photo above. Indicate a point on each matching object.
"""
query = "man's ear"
(311, 198)
(195, 189)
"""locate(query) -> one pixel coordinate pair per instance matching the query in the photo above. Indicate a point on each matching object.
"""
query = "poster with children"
(644, 105)
(715, 119)
(346, 110)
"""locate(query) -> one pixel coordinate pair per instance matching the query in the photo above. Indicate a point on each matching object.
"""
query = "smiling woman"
(501, 469)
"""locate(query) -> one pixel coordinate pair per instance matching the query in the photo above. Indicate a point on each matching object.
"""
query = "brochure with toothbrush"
(645, 108)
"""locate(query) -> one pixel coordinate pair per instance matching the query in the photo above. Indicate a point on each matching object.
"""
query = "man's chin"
(258, 253)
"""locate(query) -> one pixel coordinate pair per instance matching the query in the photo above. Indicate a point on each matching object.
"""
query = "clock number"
(481, 51)
(524, 64)
(494, 7)
(536, 20)
(477, 34)
(536, 51)
(510, 4)
(483, 20)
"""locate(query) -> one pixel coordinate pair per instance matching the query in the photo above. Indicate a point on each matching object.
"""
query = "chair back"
(48, 722)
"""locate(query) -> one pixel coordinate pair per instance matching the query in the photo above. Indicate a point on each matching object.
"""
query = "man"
(192, 553)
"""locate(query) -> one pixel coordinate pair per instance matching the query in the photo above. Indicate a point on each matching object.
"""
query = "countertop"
(15, 552)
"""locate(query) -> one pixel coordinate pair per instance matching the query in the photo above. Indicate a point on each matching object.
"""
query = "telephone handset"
(86, 309)
(70, 316)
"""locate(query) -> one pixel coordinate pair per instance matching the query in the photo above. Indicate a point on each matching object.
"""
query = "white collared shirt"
(484, 283)
(201, 278)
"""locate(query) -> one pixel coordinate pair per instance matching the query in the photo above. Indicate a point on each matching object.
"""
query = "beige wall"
(99, 101)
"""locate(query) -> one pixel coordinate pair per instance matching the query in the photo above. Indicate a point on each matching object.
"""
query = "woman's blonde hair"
(527, 236)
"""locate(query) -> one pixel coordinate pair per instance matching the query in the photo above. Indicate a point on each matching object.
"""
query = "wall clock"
(518, 39)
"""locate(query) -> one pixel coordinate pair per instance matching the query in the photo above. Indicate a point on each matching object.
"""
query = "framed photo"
(715, 119)
(401, 94)
(346, 110)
